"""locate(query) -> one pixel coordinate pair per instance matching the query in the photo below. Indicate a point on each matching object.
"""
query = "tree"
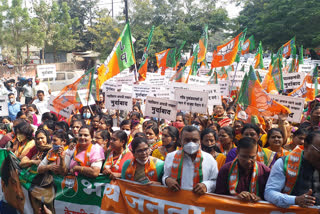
(276, 21)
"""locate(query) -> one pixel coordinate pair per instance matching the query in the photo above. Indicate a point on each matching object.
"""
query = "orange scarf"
(291, 167)
(52, 156)
(264, 158)
(149, 170)
(86, 161)
(109, 163)
(177, 167)
(234, 178)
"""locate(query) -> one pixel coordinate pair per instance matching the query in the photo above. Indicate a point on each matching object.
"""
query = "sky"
(118, 5)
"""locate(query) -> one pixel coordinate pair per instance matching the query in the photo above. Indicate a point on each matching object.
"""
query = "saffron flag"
(258, 59)
(273, 81)
(144, 61)
(255, 100)
(306, 90)
(203, 43)
(183, 74)
(289, 48)
(121, 57)
(68, 95)
(222, 74)
(248, 45)
(166, 59)
(226, 54)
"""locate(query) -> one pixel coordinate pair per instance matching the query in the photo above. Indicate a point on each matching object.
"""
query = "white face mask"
(127, 132)
(11, 100)
(151, 141)
(191, 148)
(141, 162)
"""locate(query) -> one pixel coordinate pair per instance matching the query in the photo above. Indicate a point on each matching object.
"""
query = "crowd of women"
(127, 145)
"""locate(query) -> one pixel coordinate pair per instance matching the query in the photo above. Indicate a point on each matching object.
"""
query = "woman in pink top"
(86, 158)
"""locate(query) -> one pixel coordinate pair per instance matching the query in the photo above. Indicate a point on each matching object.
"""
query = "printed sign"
(203, 71)
(192, 101)
(214, 94)
(198, 80)
(83, 95)
(4, 106)
(140, 91)
(295, 105)
(109, 86)
(128, 80)
(306, 68)
(155, 79)
(292, 80)
(46, 71)
(224, 87)
(161, 108)
(165, 94)
(118, 100)
(66, 112)
(236, 78)
(126, 88)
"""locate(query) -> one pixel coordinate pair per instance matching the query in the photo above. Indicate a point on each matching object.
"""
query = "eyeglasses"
(142, 151)
(318, 150)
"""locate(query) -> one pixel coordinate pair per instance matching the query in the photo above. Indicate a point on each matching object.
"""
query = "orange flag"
(226, 54)
(304, 91)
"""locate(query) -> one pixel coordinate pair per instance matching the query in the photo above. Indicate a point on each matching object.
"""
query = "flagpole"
(235, 73)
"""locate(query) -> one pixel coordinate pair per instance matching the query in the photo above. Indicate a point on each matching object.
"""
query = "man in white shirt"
(41, 103)
(40, 86)
(190, 168)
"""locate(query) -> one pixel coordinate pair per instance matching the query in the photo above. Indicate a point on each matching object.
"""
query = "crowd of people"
(276, 161)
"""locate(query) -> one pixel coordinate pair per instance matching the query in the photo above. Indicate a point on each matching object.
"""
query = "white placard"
(198, 80)
(164, 94)
(155, 79)
(83, 95)
(161, 108)
(266, 62)
(224, 87)
(128, 80)
(109, 86)
(126, 88)
(118, 101)
(4, 106)
(140, 91)
(203, 71)
(214, 94)
(192, 101)
(315, 62)
(306, 68)
(236, 78)
(66, 112)
(176, 85)
(46, 71)
(292, 80)
(295, 105)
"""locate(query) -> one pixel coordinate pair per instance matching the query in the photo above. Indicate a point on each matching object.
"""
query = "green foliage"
(276, 21)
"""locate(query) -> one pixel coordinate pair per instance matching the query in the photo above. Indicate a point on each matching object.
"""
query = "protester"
(41, 102)
(152, 132)
(275, 142)
(40, 86)
(75, 127)
(116, 155)
(264, 155)
(226, 139)
(54, 161)
(86, 158)
(209, 144)
(24, 135)
(180, 121)
(39, 151)
(102, 138)
(294, 179)
(27, 91)
(244, 177)
(142, 168)
(13, 106)
(220, 115)
(170, 142)
(199, 169)
(298, 139)
(313, 123)
(106, 123)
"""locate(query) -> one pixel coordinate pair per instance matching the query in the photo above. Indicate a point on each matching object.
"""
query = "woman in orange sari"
(275, 142)
(152, 132)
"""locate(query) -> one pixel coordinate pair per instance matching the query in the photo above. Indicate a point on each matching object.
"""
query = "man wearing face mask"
(13, 107)
(40, 86)
(190, 168)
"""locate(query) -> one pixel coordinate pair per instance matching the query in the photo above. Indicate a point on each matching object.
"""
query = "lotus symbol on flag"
(226, 49)
(245, 46)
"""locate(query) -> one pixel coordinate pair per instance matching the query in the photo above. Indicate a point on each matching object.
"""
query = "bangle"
(81, 171)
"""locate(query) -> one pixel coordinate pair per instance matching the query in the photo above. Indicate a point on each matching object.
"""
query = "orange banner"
(126, 197)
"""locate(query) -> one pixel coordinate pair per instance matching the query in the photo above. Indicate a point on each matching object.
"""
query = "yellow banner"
(127, 197)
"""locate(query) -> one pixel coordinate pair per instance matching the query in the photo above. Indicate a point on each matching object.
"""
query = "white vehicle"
(63, 78)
